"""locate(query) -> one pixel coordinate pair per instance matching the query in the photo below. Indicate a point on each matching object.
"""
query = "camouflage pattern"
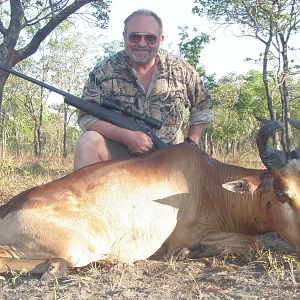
(175, 86)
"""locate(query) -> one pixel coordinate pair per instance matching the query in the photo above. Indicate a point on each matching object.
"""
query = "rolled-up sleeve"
(85, 121)
(91, 92)
(200, 101)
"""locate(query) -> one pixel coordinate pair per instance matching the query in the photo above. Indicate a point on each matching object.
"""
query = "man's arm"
(201, 113)
(136, 141)
(196, 131)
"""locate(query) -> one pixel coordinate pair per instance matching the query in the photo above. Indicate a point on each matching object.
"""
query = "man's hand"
(137, 142)
(195, 132)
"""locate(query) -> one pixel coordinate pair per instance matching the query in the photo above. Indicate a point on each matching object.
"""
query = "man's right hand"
(137, 142)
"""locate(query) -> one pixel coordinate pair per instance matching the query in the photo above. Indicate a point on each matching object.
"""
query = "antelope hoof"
(180, 254)
(55, 269)
(183, 254)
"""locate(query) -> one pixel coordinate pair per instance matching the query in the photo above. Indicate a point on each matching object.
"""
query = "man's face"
(142, 39)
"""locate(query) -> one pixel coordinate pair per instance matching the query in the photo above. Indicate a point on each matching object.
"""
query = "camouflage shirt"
(175, 87)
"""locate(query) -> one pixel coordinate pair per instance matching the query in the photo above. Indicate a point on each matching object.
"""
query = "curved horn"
(263, 120)
(271, 157)
(295, 154)
(295, 123)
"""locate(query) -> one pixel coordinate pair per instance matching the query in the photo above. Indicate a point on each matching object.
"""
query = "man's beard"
(149, 54)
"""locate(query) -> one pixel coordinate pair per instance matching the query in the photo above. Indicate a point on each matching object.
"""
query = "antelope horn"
(295, 154)
(263, 120)
(295, 123)
(270, 157)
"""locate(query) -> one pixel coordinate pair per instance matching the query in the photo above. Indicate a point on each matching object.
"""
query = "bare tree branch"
(48, 11)
(3, 30)
(48, 28)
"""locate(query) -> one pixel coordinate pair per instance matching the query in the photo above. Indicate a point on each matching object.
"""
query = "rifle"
(105, 111)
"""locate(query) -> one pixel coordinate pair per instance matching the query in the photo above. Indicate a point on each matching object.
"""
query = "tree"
(24, 25)
(111, 48)
(14, 117)
(69, 47)
(237, 99)
(272, 22)
(190, 48)
(61, 61)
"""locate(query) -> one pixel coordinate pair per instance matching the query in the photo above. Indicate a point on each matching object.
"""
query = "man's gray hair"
(144, 12)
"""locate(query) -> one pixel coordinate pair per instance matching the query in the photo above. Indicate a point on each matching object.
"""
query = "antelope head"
(283, 204)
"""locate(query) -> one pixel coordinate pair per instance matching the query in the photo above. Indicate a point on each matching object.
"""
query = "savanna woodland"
(38, 130)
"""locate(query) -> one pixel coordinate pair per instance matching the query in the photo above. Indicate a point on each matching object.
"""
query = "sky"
(226, 54)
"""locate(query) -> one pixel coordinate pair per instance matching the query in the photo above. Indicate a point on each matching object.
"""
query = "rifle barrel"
(33, 80)
(92, 108)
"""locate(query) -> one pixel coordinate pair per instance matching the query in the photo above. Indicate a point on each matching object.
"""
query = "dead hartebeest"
(172, 199)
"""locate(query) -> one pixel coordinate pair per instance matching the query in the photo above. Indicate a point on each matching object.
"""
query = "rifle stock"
(110, 116)
(94, 109)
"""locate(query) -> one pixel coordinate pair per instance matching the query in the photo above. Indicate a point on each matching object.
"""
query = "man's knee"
(90, 139)
(90, 148)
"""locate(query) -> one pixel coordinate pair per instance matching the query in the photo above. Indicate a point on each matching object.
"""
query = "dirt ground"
(267, 274)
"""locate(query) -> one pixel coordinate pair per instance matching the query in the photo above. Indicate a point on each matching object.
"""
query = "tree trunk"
(35, 144)
(227, 134)
(3, 135)
(3, 79)
(39, 130)
(276, 139)
(18, 145)
(285, 94)
(212, 146)
(65, 151)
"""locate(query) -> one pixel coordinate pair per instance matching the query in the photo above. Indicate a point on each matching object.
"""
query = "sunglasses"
(137, 37)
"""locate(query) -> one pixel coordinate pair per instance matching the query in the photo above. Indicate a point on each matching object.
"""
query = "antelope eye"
(283, 196)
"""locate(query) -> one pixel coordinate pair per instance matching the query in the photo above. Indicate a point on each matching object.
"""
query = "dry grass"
(247, 159)
(20, 173)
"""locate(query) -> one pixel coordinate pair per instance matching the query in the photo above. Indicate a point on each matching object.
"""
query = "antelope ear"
(247, 184)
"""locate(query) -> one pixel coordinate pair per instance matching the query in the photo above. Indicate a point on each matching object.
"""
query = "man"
(149, 81)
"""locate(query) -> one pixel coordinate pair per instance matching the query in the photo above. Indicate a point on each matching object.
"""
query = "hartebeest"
(169, 200)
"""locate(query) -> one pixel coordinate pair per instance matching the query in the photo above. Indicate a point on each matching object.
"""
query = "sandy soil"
(267, 274)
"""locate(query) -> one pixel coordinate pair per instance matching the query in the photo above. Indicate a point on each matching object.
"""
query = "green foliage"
(237, 100)
(101, 12)
(110, 49)
(247, 13)
(190, 48)
(259, 19)
(272, 23)
(263, 20)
